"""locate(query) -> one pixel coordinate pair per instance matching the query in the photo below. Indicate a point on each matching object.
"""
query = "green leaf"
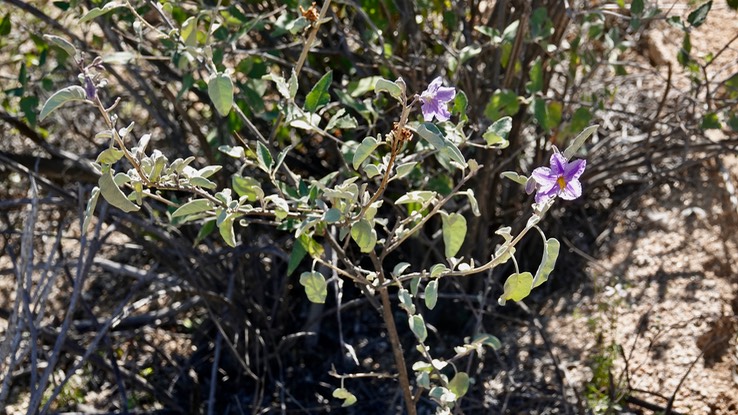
(473, 204)
(282, 86)
(315, 285)
(416, 196)
(226, 231)
(189, 31)
(454, 232)
(292, 85)
(207, 228)
(192, 207)
(496, 134)
(90, 209)
(406, 300)
(113, 194)
(247, 186)
(97, 12)
(264, 157)
(400, 268)
(468, 52)
(488, 340)
(220, 90)
(710, 121)
(431, 294)
(202, 182)
(517, 178)
(636, 7)
(5, 25)
(535, 74)
(389, 87)
(517, 287)
(364, 235)
(61, 97)
(110, 156)
(63, 44)
(348, 397)
(417, 325)
(365, 149)
(579, 141)
(430, 133)
(550, 254)
(319, 95)
(459, 385)
(697, 17)
(404, 169)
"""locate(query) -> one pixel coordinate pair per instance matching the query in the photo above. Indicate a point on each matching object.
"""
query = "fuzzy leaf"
(90, 210)
(496, 134)
(97, 11)
(113, 194)
(316, 288)
(550, 254)
(431, 294)
(192, 207)
(389, 87)
(348, 397)
(220, 90)
(364, 235)
(61, 97)
(579, 141)
(454, 232)
(62, 43)
(517, 287)
(417, 325)
(365, 149)
(459, 385)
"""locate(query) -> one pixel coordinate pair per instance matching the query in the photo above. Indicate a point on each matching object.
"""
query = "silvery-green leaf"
(113, 194)
(282, 86)
(316, 287)
(404, 169)
(97, 11)
(383, 85)
(365, 149)
(364, 235)
(437, 270)
(517, 178)
(202, 182)
(62, 43)
(454, 232)
(431, 294)
(550, 254)
(469, 52)
(473, 202)
(192, 207)
(348, 397)
(61, 97)
(400, 268)
(488, 340)
(118, 58)
(459, 385)
(264, 157)
(208, 171)
(226, 230)
(189, 31)
(235, 152)
(417, 325)
(247, 186)
(496, 134)
(90, 209)
(430, 133)
(332, 215)
(109, 156)
(505, 233)
(372, 170)
(292, 85)
(406, 300)
(416, 196)
(220, 90)
(517, 287)
(579, 141)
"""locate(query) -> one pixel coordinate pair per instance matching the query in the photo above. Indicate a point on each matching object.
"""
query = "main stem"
(397, 352)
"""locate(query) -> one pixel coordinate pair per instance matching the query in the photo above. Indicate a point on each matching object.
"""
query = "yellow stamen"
(561, 182)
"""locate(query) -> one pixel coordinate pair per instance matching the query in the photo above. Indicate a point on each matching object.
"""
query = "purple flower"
(561, 179)
(434, 100)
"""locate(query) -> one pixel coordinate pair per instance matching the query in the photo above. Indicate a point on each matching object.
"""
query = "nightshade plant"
(343, 211)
